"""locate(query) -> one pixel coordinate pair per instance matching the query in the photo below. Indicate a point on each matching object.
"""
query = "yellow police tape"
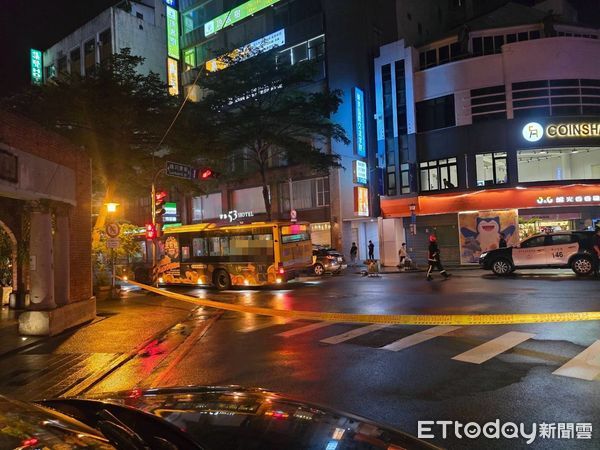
(392, 319)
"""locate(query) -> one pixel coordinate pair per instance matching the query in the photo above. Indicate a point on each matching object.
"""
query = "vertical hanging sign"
(36, 66)
(173, 76)
(359, 122)
(172, 33)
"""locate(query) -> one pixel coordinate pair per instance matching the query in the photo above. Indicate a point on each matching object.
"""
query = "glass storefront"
(546, 223)
(556, 164)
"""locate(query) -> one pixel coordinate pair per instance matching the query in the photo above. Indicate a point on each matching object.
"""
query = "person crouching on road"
(433, 257)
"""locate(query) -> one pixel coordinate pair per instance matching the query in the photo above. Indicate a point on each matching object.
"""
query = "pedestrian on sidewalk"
(353, 253)
(502, 241)
(433, 257)
(402, 256)
(371, 250)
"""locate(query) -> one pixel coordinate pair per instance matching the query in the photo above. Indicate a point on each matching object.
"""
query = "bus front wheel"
(222, 280)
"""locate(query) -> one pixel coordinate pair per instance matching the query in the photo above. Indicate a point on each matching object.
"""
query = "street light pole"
(153, 203)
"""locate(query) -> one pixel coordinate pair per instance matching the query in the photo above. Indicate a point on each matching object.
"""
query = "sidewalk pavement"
(121, 325)
(359, 268)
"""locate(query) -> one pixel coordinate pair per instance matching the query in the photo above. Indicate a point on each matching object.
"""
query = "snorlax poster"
(479, 231)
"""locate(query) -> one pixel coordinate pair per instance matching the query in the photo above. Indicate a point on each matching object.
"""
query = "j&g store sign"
(533, 131)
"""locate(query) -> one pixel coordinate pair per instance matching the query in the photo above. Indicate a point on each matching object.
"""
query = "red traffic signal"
(159, 205)
(150, 231)
(205, 173)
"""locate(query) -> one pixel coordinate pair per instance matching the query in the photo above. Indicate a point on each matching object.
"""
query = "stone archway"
(8, 250)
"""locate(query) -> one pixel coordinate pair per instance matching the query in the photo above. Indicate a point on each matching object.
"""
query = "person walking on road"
(353, 253)
(433, 257)
(596, 247)
(402, 256)
(371, 250)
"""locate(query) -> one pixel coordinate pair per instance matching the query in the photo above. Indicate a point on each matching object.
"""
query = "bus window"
(185, 253)
(199, 247)
(295, 238)
(214, 246)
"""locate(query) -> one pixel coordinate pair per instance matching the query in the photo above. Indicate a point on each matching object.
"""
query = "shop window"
(436, 113)
(206, 207)
(250, 199)
(491, 169)
(558, 164)
(75, 61)
(307, 194)
(439, 174)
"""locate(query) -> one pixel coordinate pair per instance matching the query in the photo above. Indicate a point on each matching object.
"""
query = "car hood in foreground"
(231, 417)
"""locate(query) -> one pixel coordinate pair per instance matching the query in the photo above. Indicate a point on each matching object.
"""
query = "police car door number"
(557, 254)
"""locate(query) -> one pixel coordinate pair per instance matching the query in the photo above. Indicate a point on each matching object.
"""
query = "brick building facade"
(45, 203)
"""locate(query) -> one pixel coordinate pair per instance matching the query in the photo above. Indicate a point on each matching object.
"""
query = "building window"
(105, 45)
(250, 199)
(89, 55)
(488, 103)
(313, 49)
(439, 174)
(62, 65)
(189, 58)
(307, 194)
(436, 113)
(75, 61)
(388, 125)
(491, 169)
(405, 178)
(558, 164)
(206, 207)
(50, 72)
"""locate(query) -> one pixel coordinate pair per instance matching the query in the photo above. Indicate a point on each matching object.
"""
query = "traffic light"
(159, 206)
(204, 173)
(150, 231)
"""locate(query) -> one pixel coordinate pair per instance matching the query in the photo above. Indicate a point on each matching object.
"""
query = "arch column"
(62, 270)
(41, 263)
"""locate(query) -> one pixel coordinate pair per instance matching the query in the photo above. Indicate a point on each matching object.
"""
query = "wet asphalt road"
(393, 374)
(419, 381)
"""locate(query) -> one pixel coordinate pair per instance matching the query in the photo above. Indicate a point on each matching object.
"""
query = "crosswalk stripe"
(262, 326)
(305, 329)
(484, 352)
(354, 333)
(586, 365)
(419, 337)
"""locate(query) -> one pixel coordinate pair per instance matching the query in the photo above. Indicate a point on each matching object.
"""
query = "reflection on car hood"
(232, 417)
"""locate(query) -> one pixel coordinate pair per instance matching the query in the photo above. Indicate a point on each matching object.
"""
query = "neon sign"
(361, 201)
(235, 15)
(533, 131)
(261, 45)
(173, 76)
(360, 172)
(36, 66)
(172, 33)
(359, 121)
(562, 199)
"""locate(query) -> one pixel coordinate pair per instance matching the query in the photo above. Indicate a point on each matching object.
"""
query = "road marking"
(586, 365)
(261, 326)
(353, 333)
(305, 329)
(484, 352)
(419, 337)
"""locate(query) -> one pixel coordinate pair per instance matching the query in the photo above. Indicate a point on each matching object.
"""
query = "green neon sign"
(172, 33)
(35, 59)
(235, 15)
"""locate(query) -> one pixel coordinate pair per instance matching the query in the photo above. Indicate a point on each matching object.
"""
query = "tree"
(117, 115)
(267, 112)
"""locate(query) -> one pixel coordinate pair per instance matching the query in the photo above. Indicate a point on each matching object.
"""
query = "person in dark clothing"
(353, 253)
(502, 241)
(433, 257)
(371, 250)
(596, 247)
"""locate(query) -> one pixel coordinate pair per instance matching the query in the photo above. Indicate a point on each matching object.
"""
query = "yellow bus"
(254, 254)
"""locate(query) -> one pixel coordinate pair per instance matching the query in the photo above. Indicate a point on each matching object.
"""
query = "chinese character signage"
(361, 201)
(36, 66)
(568, 199)
(235, 15)
(360, 172)
(172, 33)
(173, 76)
(170, 214)
(261, 45)
(359, 122)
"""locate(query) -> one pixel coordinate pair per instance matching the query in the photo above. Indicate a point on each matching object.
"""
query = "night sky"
(40, 23)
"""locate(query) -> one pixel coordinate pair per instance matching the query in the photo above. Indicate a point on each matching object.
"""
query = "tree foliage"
(269, 113)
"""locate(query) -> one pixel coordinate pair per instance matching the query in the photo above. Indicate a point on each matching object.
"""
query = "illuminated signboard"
(172, 33)
(234, 215)
(173, 76)
(533, 131)
(360, 172)
(235, 15)
(261, 45)
(361, 201)
(359, 121)
(36, 66)
(171, 3)
(170, 214)
(568, 199)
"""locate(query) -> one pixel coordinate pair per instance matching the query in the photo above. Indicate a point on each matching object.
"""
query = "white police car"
(564, 249)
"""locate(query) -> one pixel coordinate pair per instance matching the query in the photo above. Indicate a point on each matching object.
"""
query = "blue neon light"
(359, 122)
